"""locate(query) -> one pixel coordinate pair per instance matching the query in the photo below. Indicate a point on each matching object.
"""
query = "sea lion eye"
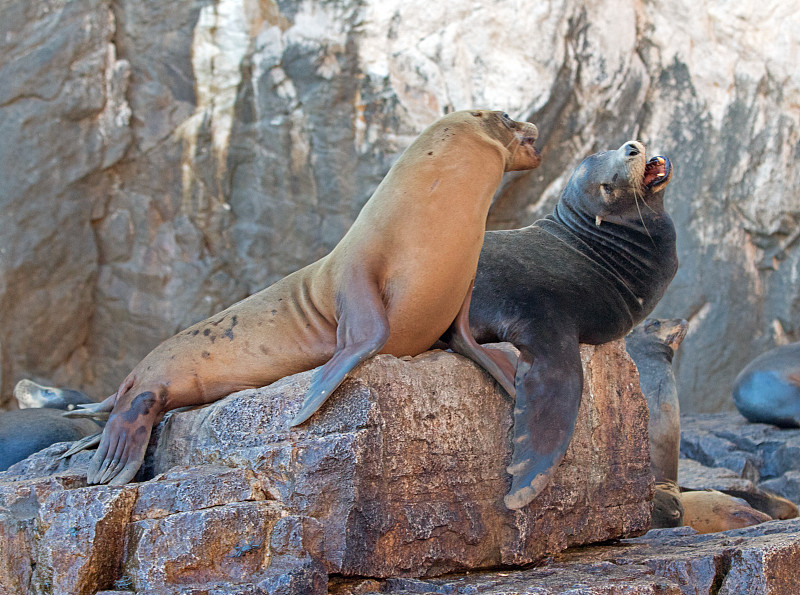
(506, 116)
(607, 189)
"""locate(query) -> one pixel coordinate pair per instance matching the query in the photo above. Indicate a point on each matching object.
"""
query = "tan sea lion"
(709, 511)
(392, 285)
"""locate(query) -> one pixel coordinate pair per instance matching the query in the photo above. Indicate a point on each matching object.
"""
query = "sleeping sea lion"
(26, 431)
(709, 511)
(767, 390)
(588, 273)
(667, 509)
(30, 394)
(775, 506)
(652, 346)
(393, 284)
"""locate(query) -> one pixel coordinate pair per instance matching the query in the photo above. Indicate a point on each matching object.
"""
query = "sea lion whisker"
(647, 231)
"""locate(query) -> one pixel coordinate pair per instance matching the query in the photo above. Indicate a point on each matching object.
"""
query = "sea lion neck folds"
(612, 212)
(393, 284)
(587, 273)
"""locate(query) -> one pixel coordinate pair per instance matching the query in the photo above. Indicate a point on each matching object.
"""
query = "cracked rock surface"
(725, 451)
(161, 161)
(401, 474)
(758, 560)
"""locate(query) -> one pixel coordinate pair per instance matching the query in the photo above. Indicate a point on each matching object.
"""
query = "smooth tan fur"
(417, 239)
(710, 511)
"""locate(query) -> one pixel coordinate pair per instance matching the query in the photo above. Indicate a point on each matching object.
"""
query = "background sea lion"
(30, 394)
(585, 274)
(767, 390)
(775, 506)
(393, 284)
(652, 345)
(667, 507)
(709, 511)
(26, 431)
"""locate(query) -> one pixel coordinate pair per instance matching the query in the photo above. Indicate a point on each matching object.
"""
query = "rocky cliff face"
(160, 162)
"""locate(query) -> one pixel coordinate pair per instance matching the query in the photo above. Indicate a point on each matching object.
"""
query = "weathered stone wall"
(160, 161)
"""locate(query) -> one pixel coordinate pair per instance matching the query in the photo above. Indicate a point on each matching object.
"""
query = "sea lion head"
(621, 185)
(515, 140)
(667, 331)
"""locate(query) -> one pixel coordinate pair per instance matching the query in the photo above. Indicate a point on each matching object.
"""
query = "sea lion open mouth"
(657, 173)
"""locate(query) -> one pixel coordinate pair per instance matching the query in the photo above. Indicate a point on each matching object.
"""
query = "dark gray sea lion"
(393, 285)
(588, 273)
(26, 431)
(667, 507)
(30, 394)
(652, 345)
(767, 390)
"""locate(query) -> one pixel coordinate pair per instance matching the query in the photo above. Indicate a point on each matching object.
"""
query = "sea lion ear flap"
(549, 389)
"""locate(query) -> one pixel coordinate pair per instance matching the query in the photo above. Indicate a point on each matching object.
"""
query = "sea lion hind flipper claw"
(84, 443)
(362, 331)
(549, 392)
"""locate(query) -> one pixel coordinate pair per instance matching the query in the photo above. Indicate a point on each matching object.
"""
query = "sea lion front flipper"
(549, 387)
(493, 361)
(362, 331)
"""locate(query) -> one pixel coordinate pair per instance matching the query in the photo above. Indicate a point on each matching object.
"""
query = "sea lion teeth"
(660, 175)
(660, 160)
(598, 220)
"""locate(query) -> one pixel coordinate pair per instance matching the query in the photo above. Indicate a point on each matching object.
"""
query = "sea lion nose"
(632, 149)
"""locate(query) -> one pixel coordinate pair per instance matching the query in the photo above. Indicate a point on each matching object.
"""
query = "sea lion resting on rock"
(767, 390)
(652, 346)
(26, 431)
(393, 285)
(710, 511)
(29, 394)
(667, 509)
(39, 422)
(585, 274)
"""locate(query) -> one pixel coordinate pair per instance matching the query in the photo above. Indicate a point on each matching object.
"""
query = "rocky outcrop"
(757, 561)
(728, 452)
(401, 474)
(161, 163)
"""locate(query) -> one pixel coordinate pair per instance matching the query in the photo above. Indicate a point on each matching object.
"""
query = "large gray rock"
(401, 474)
(252, 132)
(757, 560)
(739, 454)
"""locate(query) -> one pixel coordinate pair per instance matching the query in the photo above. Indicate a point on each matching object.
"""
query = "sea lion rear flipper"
(96, 411)
(362, 331)
(82, 444)
(495, 362)
(549, 388)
